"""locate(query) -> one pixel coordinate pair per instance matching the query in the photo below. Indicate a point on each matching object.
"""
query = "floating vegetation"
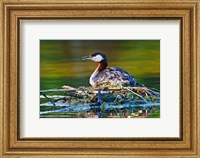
(107, 102)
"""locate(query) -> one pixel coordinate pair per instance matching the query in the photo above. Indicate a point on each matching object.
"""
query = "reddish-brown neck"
(102, 65)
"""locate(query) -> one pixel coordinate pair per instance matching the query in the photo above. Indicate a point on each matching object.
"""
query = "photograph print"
(100, 79)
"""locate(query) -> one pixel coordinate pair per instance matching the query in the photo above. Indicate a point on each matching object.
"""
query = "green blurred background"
(61, 64)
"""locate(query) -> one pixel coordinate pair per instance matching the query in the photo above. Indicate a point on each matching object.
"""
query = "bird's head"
(96, 57)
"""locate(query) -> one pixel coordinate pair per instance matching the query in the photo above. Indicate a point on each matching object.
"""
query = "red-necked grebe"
(108, 76)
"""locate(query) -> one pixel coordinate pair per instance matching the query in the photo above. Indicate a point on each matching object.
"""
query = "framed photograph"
(99, 79)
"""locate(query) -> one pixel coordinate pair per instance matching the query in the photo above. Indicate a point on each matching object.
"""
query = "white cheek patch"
(97, 58)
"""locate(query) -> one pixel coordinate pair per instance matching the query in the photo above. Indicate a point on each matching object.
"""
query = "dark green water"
(61, 64)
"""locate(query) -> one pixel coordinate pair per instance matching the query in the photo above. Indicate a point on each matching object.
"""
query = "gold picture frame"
(12, 12)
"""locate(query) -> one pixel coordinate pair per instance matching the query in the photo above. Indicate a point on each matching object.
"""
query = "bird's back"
(115, 76)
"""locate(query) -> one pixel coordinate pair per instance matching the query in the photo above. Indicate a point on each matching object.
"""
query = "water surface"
(61, 64)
